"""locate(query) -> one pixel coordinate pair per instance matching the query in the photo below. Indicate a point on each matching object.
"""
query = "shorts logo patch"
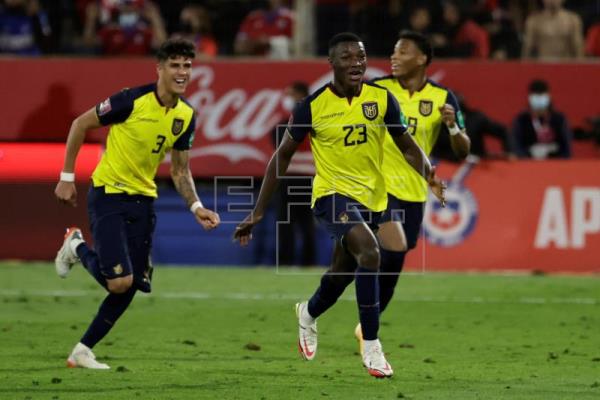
(104, 107)
(343, 217)
(425, 107)
(118, 269)
(177, 126)
(370, 110)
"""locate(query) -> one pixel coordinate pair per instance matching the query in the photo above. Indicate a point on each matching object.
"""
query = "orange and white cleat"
(375, 362)
(66, 256)
(83, 357)
(307, 332)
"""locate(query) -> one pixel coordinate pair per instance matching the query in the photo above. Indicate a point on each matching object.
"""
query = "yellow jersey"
(422, 116)
(346, 138)
(142, 131)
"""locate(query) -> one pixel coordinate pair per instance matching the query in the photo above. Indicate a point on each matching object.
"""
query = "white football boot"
(66, 256)
(307, 332)
(83, 357)
(374, 360)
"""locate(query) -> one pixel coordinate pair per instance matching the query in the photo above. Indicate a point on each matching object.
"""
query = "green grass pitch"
(230, 333)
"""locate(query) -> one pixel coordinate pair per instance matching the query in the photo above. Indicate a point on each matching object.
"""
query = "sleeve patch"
(104, 107)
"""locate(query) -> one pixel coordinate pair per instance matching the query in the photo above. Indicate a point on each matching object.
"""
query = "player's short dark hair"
(300, 87)
(342, 37)
(176, 47)
(421, 41)
(538, 86)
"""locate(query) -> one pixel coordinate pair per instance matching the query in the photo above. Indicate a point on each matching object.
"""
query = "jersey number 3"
(360, 138)
(160, 140)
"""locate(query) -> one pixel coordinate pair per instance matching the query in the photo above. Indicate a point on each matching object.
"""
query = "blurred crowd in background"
(492, 29)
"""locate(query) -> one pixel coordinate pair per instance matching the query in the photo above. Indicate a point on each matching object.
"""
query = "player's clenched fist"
(448, 114)
(66, 193)
(207, 218)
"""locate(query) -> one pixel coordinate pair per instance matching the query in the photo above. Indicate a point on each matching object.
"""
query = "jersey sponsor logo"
(425, 107)
(337, 114)
(104, 107)
(177, 126)
(451, 225)
(370, 110)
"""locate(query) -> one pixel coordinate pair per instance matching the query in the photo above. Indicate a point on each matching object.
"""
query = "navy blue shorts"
(122, 226)
(409, 213)
(339, 214)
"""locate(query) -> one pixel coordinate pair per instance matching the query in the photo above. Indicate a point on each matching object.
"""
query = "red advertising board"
(524, 215)
(238, 102)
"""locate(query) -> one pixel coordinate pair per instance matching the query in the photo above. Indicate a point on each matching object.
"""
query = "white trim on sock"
(305, 316)
(370, 344)
(74, 244)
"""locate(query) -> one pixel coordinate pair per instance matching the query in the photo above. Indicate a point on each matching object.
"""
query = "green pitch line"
(230, 334)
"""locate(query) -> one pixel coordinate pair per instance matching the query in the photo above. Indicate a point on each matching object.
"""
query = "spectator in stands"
(592, 40)
(195, 26)
(540, 131)
(478, 125)
(420, 20)
(497, 19)
(24, 27)
(463, 37)
(126, 27)
(303, 229)
(266, 32)
(553, 33)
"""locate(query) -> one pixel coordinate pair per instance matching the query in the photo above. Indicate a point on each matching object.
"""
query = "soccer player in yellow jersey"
(145, 123)
(428, 109)
(348, 121)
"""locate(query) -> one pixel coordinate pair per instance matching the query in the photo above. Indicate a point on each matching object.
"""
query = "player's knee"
(120, 285)
(369, 258)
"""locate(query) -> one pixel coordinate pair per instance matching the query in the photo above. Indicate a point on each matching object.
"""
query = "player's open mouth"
(180, 81)
(355, 75)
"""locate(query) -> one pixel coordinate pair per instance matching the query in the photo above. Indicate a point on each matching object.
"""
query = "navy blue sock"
(91, 262)
(367, 297)
(331, 288)
(391, 265)
(113, 306)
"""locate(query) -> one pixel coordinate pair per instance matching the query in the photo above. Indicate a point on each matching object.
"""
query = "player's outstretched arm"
(184, 183)
(460, 142)
(419, 161)
(65, 190)
(278, 165)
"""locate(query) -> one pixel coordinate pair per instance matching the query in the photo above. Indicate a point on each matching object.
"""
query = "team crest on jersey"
(370, 110)
(104, 107)
(177, 126)
(425, 107)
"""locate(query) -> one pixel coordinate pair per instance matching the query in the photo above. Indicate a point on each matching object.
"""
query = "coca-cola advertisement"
(240, 102)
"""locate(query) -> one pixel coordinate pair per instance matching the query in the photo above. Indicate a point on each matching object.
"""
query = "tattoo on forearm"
(185, 187)
(182, 177)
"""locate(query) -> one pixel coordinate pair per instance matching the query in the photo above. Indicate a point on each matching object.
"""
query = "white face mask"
(539, 102)
(288, 103)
